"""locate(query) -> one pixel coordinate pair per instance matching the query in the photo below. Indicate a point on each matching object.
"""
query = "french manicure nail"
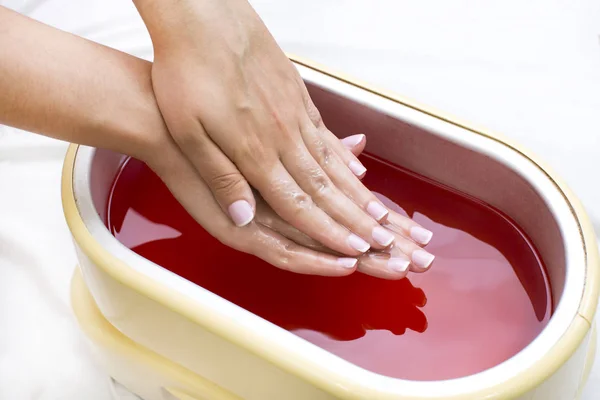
(376, 210)
(420, 235)
(241, 212)
(357, 243)
(353, 140)
(347, 262)
(382, 236)
(422, 259)
(398, 264)
(357, 168)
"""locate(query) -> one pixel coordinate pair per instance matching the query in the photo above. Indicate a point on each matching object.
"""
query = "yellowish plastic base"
(140, 370)
(589, 360)
(154, 377)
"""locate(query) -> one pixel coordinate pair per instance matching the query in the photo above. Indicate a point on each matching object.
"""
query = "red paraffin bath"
(483, 300)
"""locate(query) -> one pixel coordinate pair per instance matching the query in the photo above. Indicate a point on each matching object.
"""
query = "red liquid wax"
(483, 300)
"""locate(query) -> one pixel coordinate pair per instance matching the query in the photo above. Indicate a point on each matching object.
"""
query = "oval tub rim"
(540, 370)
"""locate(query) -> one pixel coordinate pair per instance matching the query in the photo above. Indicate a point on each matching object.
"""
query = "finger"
(355, 143)
(297, 208)
(378, 264)
(384, 265)
(316, 183)
(285, 254)
(353, 188)
(349, 159)
(420, 260)
(341, 176)
(267, 217)
(228, 186)
(408, 228)
(183, 180)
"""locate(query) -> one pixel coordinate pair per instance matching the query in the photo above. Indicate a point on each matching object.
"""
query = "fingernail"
(357, 243)
(376, 210)
(357, 168)
(420, 235)
(398, 264)
(382, 236)
(347, 262)
(241, 212)
(422, 259)
(353, 140)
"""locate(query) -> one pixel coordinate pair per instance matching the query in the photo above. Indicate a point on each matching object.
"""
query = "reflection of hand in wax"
(345, 308)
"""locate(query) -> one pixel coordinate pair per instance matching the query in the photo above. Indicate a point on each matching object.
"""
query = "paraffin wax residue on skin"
(483, 300)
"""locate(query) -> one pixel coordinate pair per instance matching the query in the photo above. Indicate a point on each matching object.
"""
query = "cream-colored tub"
(201, 346)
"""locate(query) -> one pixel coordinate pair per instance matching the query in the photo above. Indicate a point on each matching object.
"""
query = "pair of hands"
(240, 117)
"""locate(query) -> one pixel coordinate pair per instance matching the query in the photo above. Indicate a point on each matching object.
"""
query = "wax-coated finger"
(313, 180)
(408, 228)
(355, 143)
(383, 265)
(297, 208)
(227, 184)
(342, 177)
(285, 254)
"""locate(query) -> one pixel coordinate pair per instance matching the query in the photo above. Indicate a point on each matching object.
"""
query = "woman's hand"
(54, 96)
(275, 241)
(240, 113)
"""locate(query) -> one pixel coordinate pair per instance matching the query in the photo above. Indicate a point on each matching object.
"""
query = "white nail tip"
(357, 243)
(420, 235)
(353, 140)
(382, 236)
(376, 210)
(398, 264)
(357, 168)
(422, 259)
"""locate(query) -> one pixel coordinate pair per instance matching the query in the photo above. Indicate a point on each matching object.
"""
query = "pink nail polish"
(382, 236)
(376, 210)
(357, 168)
(347, 262)
(357, 243)
(420, 235)
(398, 264)
(422, 259)
(241, 212)
(353, 140)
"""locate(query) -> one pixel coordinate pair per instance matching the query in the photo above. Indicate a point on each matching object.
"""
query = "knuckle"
(252, 152)
(303, 204)
(322, 152)
(322, 187)
(227, 183)
(287, 255)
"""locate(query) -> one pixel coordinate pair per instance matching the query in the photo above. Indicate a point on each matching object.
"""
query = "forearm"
(69, 88)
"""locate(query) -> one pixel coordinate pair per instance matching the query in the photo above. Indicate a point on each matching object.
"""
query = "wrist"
(172, 24)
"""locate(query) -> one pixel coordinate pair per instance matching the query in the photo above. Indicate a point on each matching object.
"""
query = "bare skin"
(239, 111)
(66, 87)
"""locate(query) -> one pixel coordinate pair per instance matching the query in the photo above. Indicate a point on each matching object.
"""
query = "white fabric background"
(529, 69)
